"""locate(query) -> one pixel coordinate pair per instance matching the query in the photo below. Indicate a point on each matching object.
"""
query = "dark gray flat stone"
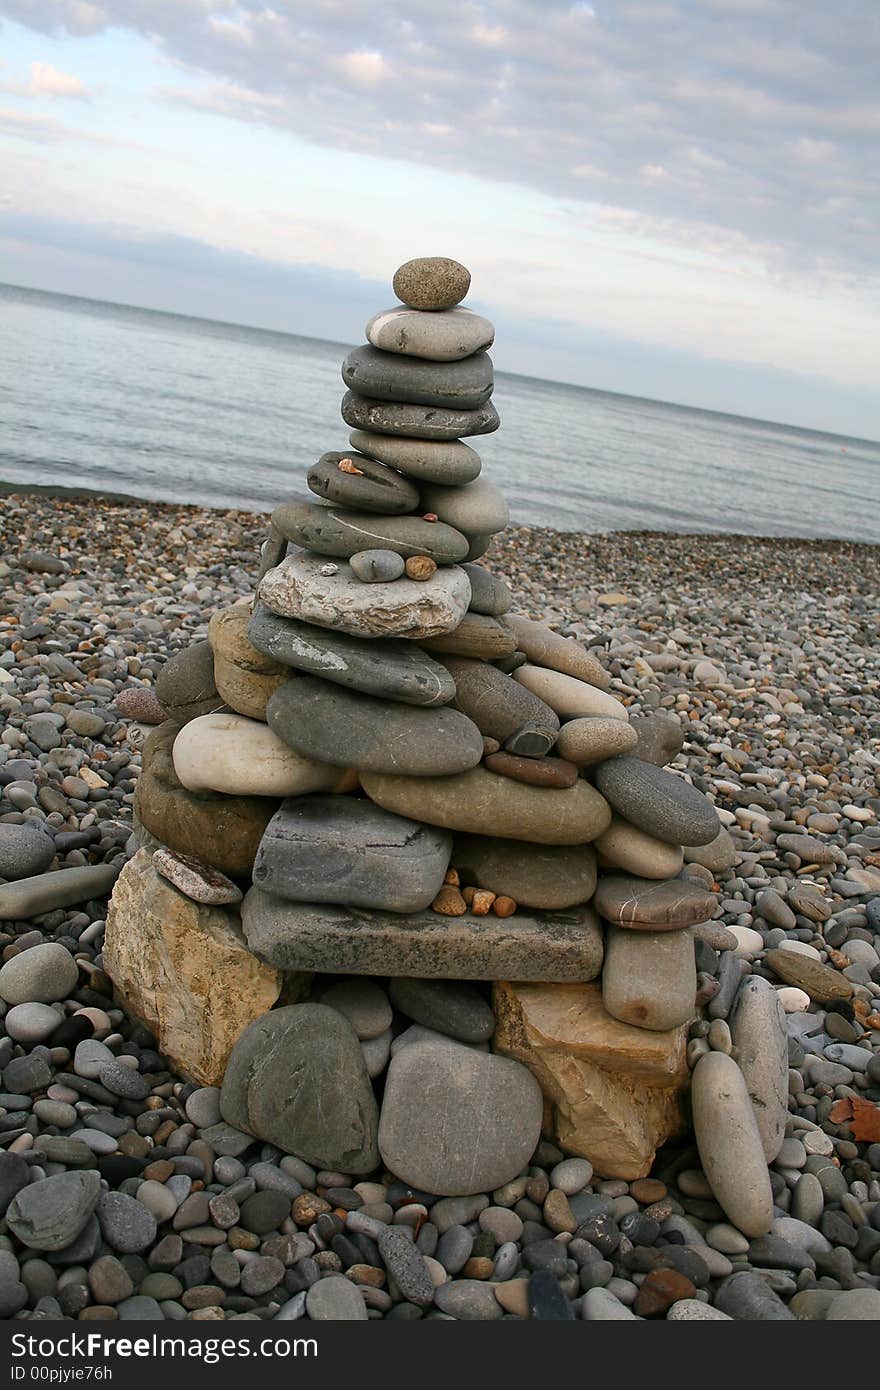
(657, 801)
(417, 421)
(375, 488)
(335, 532)
(388, 376)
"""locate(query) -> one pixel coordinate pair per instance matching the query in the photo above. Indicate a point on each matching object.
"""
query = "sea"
(116, 400)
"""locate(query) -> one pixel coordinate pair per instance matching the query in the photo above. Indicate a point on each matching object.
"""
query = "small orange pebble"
(504, 907)
(482, 902)
(449, 902)
(349, 466)
(873, 1022)
(468, 894)
(420, 567)
(453, 878)
(478, 1267)
(838, 959)
(429, 516)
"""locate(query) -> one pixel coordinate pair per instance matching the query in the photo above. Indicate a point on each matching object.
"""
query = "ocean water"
(122, 400)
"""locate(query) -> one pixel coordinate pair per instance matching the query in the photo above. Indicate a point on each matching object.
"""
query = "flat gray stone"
(417, 421)
(757, 1028)
(394, 670)
(336, 849)
(126, 1224)
(649, 978)
(458, 1010)
(377, 566)
(335, 1299)
(456, 1121)
(551, 878)
(307, 936)
(297, 1079)
(440, 336)
(433, 461)
(49, 1214)
(364, 1004)
(645, 904)
(340, 533)
(475, 509)
(406, 1265)
(748, 1297)
(468, 1300)
(660, 738)
(374, 487)
(31, 897)
(382, 376)
(185, 685)
(657, 801)
(347, 728)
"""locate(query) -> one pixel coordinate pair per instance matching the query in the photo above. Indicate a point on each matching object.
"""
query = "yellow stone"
(613, 1093)
(244, 677)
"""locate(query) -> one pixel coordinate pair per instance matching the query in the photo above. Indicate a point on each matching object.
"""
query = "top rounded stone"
(431, 282)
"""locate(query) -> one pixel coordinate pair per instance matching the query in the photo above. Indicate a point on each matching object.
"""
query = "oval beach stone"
(374, 487)
(624, 846)
(388, 376)
(495, 702)
(440, 336)
(548, 877)
(337, 850)
(377, 566)
(228, 753)
(657, 801)
(431, 282)
(41, 975)
(404, 608)
(245, 677)
(730, 1146)
(481, 802)
(332, 531)
(544, 647)
(456, 1121)
(350, 729)
(396, 670)
(489, 592)
(649, 979)
(652, 905)
(757, 1028)
(475, 509)
(418, 421)
(594, 739)
(431, 461)
(569, 697)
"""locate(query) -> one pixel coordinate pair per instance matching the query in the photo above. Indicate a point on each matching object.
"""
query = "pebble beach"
(766, 652)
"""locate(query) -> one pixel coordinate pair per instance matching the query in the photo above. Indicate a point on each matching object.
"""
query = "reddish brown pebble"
(660, 1289)
(450, 902)
(349, 466)
(420, 567)
(504, 907)
(482, 901)
(453, 878)
(366, 1274)
(535, 772)
(160, 1171)
(490, 745)
(429, 516)
(469, 894)
(478, 1267)
(647, 1190)
(307, 1208)
(537, 1188)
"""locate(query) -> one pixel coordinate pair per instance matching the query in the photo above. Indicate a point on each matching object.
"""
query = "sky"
(676, 199)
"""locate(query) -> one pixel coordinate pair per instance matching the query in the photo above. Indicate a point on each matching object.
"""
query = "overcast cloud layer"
(742, 126)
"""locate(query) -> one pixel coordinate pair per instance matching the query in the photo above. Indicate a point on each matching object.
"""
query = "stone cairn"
(376, 787)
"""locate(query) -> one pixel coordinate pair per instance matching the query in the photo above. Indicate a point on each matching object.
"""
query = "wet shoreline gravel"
(766, 650)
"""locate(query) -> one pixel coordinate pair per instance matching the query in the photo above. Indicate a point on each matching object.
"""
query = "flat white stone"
(243, 757)
(446, 335)
(569, 697)
(793, 1000)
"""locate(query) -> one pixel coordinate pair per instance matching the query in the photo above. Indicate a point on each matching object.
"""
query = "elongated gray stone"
(355, 730)
(332, 531)
(306, 936)
(373, 488)
(551, 878)
(440, 336)
(498, 705)
(433, 461)
(757, 1027)
(29, 897)
(297, 1079)
(417, 421)
(394, 670)
(489, 592)
(657, 801)
(647, 904)
(383, 376)
(649, 979)
(730, 1146)
(336, 849)
(299, 588)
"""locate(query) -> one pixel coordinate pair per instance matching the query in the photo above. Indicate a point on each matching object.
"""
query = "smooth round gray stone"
(24, 1075)
(49, 1214)
(41, 975)
(729, 1143)
(139, 1308)
(454, 1248)
(90, 1056)
(387, 376)
(468, 1300)
(158, 1199)
(126, 1224)
(203, 1106)
(475, 509)
(657, 801)
(55, 1112)
(808, 1199)
(374, 488)
(97, 1140)
(397, 670)
(335, 1299)
(25, 850)
(431, 461)
(489, 592)
(30, 897)
(297, 1079)
(498, 705)
(346, 728)
(406, 1265)
(660, 738)
(364, 1004)
(439, 335)
(377, 566)
(757, 1028)
(649, 978)
(123, 1081)
(748, 1297)
(455, 1120)
(550, 878)
(185, 685)
(335, 532)
(417, 421)
(31, 1023)
(431, 282)
(449, 1007)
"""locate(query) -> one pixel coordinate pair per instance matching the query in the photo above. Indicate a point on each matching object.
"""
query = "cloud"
(754, 121)
(43, 130)
(47, 81)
